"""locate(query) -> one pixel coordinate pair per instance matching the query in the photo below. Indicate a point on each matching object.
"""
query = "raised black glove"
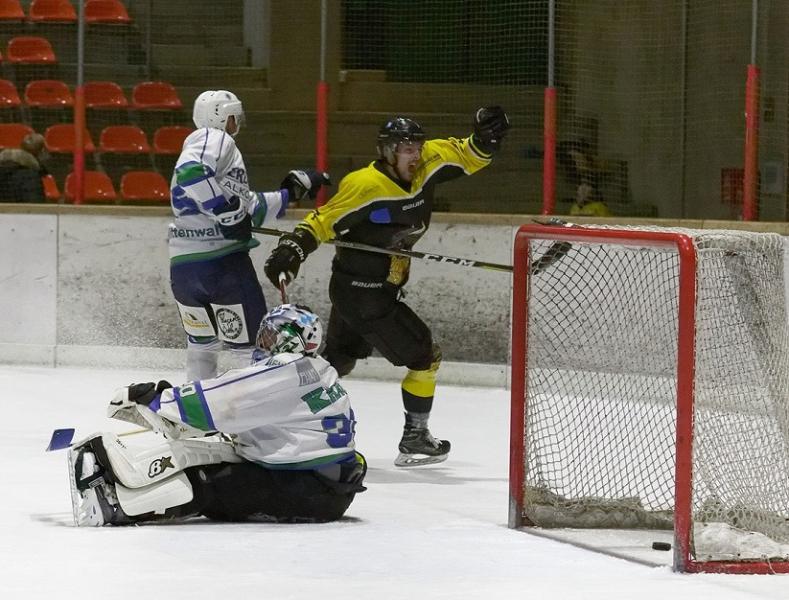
(490, 126)
(144, 393)
(287, 257)
(299, 183)
(231, 226)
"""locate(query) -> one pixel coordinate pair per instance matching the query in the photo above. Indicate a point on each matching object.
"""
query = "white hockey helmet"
(290, 328)
(213, 107)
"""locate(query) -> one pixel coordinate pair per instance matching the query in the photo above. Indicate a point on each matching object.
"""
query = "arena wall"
(90, 286)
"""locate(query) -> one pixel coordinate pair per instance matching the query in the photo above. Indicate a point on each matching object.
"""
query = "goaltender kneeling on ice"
(273, 441)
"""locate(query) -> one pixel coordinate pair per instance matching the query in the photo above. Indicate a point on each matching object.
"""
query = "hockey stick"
(556, 251)
(463, 262)
(63, 438)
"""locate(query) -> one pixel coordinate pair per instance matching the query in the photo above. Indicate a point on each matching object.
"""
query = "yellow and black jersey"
(374, 208)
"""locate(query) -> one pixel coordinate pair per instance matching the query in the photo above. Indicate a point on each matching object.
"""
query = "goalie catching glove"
(300, 183)
(286, 258)
(138, 403)
(490, 126)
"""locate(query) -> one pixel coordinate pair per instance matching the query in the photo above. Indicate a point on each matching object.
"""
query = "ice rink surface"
(435, 532)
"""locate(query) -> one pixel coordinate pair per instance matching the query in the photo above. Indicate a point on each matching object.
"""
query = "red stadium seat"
(106, 11)
(170, 139)
(11, 10)
(51, 190)
(145, 187)
(28, 49)
(48, 93)
(104, 94)
(9, 97)
(59, 139)
(123, 139)
(11, 134)
(155, 95)
(98, 188)
(61, 11)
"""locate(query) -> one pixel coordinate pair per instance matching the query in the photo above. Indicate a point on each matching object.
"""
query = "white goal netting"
(601, 399)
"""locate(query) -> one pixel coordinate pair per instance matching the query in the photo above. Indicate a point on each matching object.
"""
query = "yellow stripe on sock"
(420, 383)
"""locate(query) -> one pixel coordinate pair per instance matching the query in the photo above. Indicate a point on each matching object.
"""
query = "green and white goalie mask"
(290, 328)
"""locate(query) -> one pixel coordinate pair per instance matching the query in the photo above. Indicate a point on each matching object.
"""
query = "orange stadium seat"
(51, 190)
(145, 187)
(48, 93)
(60, 139)
(106, 11)
(155, 95)
(104, 94)
(11, 134)
(123, 139)
(11, 10)
(98, 187)
(29, 49)
(61, 11)
(9, 97)
(170, 139)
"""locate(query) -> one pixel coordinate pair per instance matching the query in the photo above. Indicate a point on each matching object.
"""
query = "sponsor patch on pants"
(195, 321)
(230, 322)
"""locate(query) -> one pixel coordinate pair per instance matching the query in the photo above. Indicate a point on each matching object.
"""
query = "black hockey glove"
(299, 183)
(144, 393)
(240, 230)
(287, 257)
(490, 126)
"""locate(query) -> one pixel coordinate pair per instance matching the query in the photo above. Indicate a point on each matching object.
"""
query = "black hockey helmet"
(394, 131)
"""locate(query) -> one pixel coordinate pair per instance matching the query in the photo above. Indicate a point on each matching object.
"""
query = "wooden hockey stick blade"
(553, 254)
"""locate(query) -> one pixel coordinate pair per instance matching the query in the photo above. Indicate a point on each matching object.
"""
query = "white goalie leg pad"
(151, 465)
(157, 497)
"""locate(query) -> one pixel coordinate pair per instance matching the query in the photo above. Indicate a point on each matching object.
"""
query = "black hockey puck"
(661, 546)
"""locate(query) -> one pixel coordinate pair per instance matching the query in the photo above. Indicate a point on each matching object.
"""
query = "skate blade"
(418, 460)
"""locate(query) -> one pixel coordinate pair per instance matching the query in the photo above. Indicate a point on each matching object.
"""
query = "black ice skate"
(418, 447)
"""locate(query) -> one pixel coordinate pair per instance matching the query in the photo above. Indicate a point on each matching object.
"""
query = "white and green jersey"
(288, 411)
(209, 171)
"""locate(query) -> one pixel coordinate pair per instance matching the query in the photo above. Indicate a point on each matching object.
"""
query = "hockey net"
(649, 390)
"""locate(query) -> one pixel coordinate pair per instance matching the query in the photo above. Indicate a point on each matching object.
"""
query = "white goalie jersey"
(210, 171)
(288, 411)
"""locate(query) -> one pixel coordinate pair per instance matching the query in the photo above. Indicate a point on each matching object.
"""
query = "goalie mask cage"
(649, 390)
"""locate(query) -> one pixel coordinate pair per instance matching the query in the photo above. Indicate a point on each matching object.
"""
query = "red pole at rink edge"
(79, 144)
(549, 153)
(750, 208)
(322, 134)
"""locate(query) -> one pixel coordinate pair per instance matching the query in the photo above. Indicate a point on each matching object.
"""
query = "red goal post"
(649, 390)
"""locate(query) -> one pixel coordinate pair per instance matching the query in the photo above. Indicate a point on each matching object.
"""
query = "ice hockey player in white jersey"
(213, 280)
(273, 441)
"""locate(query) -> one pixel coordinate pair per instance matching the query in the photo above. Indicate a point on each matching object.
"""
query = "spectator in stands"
(582, 170)
(589, 202)
(21, 170)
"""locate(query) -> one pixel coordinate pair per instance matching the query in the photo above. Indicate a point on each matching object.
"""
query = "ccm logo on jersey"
(158, 466)
(448, 259)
